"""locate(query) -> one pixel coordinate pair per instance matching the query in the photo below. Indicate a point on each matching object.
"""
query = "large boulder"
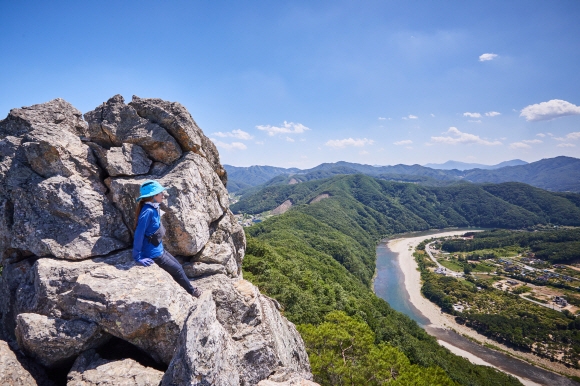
(91, 370)
(52, 200)
(114, 123)
(12, 373)
(126, 160)
(265, 341)
(141, 305)
(54, 341)
(206, 353)
(175, 118)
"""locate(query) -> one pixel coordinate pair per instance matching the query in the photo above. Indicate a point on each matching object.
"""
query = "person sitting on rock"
(147, 244)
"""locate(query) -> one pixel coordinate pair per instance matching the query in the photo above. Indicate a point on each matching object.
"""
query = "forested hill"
(318, 259)
(390, 207)
(560, 174)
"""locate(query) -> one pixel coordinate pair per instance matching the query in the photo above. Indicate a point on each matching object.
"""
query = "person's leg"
(172, 266)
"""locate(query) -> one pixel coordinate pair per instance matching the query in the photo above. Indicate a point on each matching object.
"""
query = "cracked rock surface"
(69, 285)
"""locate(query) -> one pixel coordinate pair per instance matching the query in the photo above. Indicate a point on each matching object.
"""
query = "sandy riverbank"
(404, 248)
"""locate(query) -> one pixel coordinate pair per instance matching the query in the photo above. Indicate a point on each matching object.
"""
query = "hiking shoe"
(196, 293)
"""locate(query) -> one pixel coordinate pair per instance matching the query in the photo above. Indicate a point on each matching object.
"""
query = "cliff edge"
(75, 305)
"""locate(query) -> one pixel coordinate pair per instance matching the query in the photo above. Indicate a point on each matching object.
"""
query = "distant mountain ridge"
(560, 174)
(450, 165)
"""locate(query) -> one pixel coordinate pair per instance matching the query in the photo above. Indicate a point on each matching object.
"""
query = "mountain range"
(559, 174)
(450, 165)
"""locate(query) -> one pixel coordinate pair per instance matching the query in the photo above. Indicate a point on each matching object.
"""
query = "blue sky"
(301, 83)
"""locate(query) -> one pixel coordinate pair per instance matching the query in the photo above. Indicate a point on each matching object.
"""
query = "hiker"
(147, 244)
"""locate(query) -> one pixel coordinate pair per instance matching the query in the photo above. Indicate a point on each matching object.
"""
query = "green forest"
(318, 260)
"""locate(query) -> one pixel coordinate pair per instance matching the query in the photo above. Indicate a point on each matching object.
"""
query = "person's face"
(159, 197)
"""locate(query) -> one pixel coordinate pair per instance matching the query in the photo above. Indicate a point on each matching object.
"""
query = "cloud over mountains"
(551, 109)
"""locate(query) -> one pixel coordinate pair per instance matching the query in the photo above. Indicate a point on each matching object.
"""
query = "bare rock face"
(175, 118)
(206, 353)
(69, 283)
(11, 371)
(91, 370)
(126, 160)
(53, 341)
(114, 123)
(141, 305)
(52, 201)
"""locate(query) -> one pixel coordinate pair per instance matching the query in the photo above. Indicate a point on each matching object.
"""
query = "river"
(389, 284)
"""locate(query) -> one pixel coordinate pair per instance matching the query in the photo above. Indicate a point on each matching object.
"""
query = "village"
(532, 279)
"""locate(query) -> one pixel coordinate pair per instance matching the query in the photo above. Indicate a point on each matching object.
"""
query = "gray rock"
(175, 118)
(206, 353)
(198, 269)
(265, 341)
(141, 305)
(284, 377)
(114, 123)
(226, 245)
(53, 341)
(63, 217)
(65, 283)
(57, 113)
(50, 182)
(197, 198)
(12, 373)
(127, 160)
(91, 370)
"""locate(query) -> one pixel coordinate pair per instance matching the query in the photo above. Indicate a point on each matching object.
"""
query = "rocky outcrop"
(206, 354)
(11, 371)
(91, 370)
(54, 341)
(69, 285)
(126, 160)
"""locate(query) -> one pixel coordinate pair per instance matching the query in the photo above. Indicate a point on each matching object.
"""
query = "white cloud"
(574, 135)
(472, 115)
(404, 142)
(411, 116)
(239, 134)
(286, 128)
(382, 119)
(288, 139)
(363, 152)
(492, 114)
(566, 145)
(474, 120)
(260, 143)
(486, 57)
(342, 143)
(230, 146)
(457, 137)
(541, 135)
(532, 141)
(552, 109)
(433, 115)
(519, 145)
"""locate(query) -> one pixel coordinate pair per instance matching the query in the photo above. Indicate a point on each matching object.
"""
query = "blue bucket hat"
(150, 188)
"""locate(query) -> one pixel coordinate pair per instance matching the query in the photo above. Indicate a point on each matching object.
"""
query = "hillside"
(389, 207)
(560, 174)
(318, 259)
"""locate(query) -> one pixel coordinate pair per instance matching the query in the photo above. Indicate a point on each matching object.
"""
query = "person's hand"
(146, 262)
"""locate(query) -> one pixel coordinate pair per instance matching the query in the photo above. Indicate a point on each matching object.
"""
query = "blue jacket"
(149, 221)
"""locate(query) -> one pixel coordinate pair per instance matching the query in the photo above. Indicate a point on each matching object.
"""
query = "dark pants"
(172, 266)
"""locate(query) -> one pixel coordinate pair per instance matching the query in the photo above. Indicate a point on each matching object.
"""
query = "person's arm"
(142, 223)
